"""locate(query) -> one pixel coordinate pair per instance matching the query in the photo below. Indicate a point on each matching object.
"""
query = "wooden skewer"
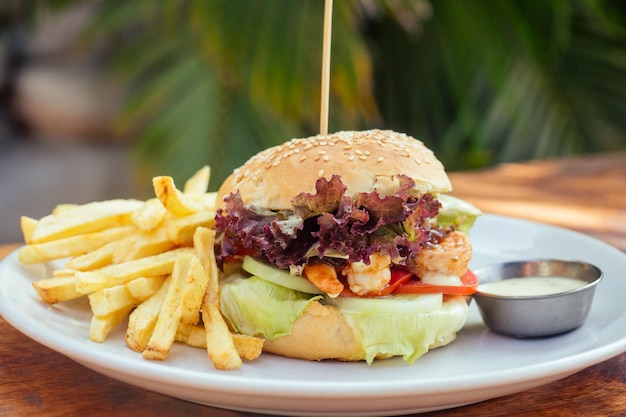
(328, 18)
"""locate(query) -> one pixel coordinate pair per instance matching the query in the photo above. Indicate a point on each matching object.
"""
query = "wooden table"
(587, 194)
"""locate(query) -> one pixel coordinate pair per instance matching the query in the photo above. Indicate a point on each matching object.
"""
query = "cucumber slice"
(395, 305)
(279, 277)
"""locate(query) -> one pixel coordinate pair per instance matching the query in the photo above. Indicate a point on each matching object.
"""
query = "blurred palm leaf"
(491, 81)
(479, 81)
(215, 82)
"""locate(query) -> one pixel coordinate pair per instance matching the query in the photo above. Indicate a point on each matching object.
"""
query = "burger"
(345, 246)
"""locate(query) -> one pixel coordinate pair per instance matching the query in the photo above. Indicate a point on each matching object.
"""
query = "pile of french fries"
(151, 262)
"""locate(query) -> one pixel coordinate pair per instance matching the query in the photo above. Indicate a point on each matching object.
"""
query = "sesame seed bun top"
(367, 161)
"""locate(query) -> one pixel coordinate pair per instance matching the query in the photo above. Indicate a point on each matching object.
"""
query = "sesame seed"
(350, 157)
(307, 146)
(380, 159)
(362, 157)
(302, 158)
(326, 158)
(320, 173)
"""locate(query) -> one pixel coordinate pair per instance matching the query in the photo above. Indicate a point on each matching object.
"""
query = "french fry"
(56, 289)
(203, 246)
(71, 246)
(171, 312)
(142, 245)
(117, 274)
(28, 225)
(109, 300)
(86, 218)
(94, 259)
(248, 347)
(193, 291)
(173, 199)
(101, 327)
(191, 334)
(220, 346)
(150, 215)
(142, 320)
(180, 230)
(64, 273)
(143, 288)
(198, 182)
(207, 200)
(60, 208)
(178, 203)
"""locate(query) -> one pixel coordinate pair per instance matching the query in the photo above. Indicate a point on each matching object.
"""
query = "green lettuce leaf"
(409, 335)
(456, 212)
(260, 308)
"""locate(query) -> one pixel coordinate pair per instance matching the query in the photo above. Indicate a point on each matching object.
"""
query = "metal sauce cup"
(537, 315)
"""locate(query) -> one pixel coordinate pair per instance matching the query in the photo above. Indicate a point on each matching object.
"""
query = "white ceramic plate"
(480, 365)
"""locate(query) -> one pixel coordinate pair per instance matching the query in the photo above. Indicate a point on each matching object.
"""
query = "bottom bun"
(324, 332)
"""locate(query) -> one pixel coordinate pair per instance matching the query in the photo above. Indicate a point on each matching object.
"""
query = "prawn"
(450, 257)
(324, 277)
(369, 279)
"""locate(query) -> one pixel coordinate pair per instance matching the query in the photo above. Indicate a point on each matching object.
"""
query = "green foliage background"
(480, 81)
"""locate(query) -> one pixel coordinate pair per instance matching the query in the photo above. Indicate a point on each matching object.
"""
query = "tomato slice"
(398, 278)
(403, 282)
(469, 280)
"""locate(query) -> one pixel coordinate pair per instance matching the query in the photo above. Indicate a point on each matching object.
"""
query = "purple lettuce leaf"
(326, 199)
(247, 228)
(354, 226)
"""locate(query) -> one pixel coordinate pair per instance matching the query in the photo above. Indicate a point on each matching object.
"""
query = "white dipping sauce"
(531, 286)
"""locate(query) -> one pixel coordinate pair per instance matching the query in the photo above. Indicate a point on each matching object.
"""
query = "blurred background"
(96, 97)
